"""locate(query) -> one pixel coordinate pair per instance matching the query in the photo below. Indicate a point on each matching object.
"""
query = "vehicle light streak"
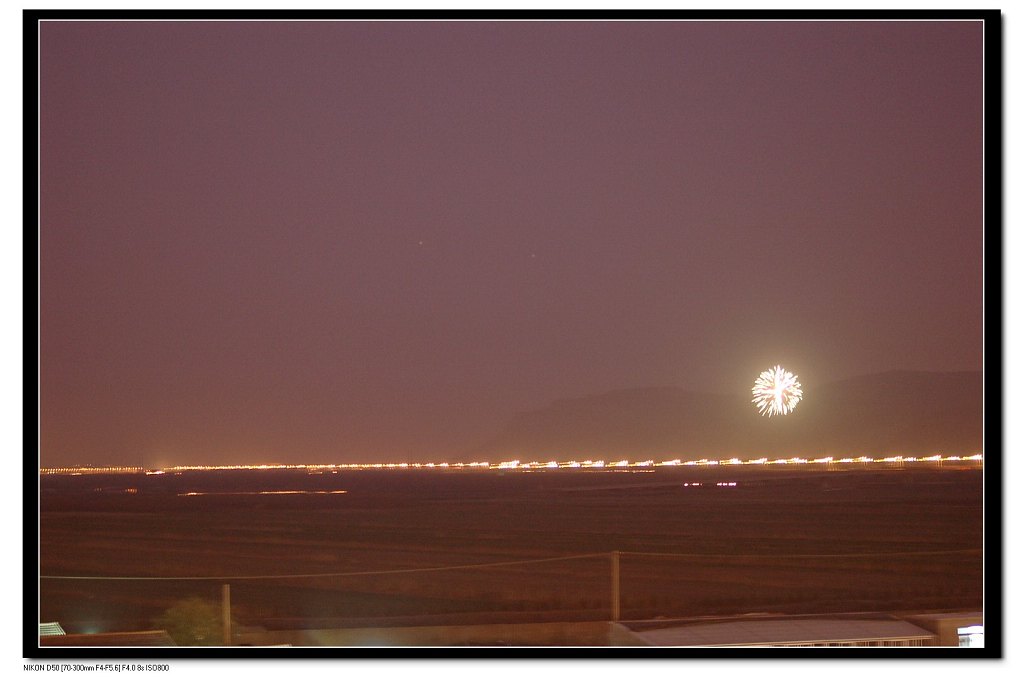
(263, 492)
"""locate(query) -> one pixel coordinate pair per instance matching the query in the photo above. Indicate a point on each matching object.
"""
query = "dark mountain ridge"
(898, 412)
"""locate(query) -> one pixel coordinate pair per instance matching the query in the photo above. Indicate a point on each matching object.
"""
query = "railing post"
(225, 597)
(615, 586)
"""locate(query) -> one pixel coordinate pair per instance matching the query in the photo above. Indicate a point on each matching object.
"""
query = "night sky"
(343, 242)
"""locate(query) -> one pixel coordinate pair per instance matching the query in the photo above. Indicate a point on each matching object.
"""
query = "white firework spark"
(776, 391)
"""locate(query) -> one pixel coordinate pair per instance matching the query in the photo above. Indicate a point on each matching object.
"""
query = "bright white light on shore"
(776, 391)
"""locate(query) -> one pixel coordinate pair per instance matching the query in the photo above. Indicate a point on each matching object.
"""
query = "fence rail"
(508, 563)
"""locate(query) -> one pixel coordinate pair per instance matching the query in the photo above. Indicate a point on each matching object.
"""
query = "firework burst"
(776, 391)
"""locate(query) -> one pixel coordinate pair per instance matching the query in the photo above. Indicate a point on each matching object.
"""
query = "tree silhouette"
(192, 621)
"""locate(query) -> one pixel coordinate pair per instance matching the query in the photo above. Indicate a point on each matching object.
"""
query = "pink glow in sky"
(331, 241)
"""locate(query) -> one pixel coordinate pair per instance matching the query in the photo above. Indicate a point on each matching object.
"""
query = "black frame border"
(994, 383)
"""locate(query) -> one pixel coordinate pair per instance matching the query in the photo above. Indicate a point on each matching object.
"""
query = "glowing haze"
(331, 242)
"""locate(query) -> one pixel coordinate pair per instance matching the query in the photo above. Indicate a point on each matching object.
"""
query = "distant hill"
(892, 412)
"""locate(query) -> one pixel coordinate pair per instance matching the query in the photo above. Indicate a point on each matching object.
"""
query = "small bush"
(193, 621)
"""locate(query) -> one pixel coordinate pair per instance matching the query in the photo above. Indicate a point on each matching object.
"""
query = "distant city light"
(516, 464)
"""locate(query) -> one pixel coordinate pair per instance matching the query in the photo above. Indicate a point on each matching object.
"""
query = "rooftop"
(130, 639)
(784, 632)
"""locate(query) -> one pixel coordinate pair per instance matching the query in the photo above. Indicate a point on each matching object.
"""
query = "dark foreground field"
(780, 540)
